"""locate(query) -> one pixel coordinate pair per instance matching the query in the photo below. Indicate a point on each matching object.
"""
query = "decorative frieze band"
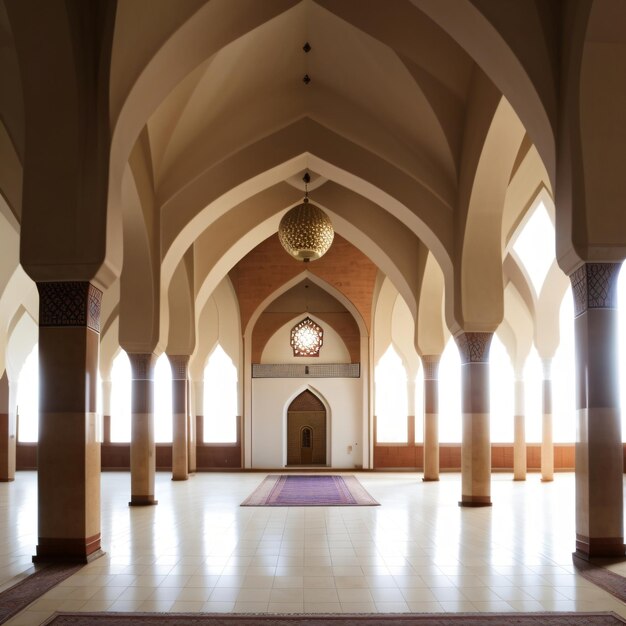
(75, 303)
(474, 347)
(142, 365)
(430, 363)
(594, 286)
(178, 363)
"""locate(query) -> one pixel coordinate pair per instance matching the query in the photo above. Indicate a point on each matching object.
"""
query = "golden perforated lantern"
(306, 232)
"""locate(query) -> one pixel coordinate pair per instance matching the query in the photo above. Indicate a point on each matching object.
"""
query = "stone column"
(430, 364)
(68, 479)
(476, 446)
(7, 433)
(519, 433)
(547, 445)
(180, 438)
(142, 451)
(599, 452)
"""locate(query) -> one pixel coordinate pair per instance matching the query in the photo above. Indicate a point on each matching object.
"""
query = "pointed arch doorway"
(306, 430)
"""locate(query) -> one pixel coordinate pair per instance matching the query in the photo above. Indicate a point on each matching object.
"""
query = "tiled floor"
(198, 550)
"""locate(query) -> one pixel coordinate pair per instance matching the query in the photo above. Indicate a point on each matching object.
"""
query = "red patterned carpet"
(396, 619)
(309, 490)
(18, 597)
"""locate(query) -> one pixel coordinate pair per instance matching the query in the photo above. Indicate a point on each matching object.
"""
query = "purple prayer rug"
(310, 490)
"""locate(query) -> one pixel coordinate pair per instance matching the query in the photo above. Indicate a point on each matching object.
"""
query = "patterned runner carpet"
(18, 597)
(396, 619)
(309, 490)
(608, 580)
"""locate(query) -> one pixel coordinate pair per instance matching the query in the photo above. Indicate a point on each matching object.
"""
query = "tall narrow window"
(500, 392)
(121, 381)
(450, 394)
(307, 438)
(28, 398)
(563, 376)
(533, 377)
(220, 399)
(163, 400)
(391, 399)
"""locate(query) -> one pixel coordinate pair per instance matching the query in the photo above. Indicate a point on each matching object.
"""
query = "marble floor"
(198, 550)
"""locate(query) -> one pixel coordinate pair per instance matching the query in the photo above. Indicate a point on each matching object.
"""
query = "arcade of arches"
(148, 150)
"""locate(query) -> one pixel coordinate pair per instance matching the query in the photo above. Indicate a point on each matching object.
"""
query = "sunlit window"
(563, 376)
(501, 390)
(163, 400)
(220, 399)
(450, 426)
(391, 399)
(28, 398)
(535, 246)
(121, 381)
(419, 406)
(99, 420)
(533, 391)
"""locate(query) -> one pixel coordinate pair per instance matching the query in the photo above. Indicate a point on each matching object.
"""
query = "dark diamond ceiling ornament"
(305, 231)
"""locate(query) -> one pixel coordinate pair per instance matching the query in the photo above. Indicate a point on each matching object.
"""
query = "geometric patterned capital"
(594, 286)
(178, 363)
(474, 347)
(71, 303)
(142, 365)
(430, 363)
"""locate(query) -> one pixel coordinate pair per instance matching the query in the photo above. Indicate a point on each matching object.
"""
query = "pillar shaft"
(599, 460)
(547, 444)
(180, 438)
(142, 450)
(107, 389)
(68, 476)
(196, 390)
(7, 433)
(519, 434)
(476, 446)
(431, 416)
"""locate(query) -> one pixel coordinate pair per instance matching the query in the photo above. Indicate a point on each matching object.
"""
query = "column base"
(63, 550)
(518, 479)
(142, 501)
(6, 480)
(430, 480)
(591, 547)
(547, 480)
(475, 501)
(180, 477)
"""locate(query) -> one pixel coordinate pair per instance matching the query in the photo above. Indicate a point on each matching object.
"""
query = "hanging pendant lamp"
(305, 231)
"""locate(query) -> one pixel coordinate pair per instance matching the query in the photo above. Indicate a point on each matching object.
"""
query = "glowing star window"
(306, 338)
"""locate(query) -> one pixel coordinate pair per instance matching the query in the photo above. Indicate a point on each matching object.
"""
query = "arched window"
(391, 399)
(501, 391)
(163, 400)
(220, 399)
(28, 398)
(450, 426)
(307, 438)
(121, 381)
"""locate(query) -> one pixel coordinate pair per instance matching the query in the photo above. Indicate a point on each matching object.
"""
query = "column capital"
(474, 346)
(594, 286)
(69, 303)
(179, 364)
(430, 363)
(142, 365)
